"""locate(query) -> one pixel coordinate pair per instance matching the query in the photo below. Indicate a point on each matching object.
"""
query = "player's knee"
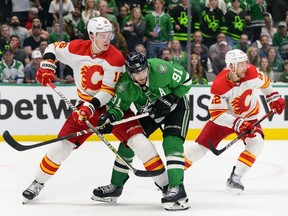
(60, 151)
(254, 145)
(173, 145)
(195, 152)
(142, 147)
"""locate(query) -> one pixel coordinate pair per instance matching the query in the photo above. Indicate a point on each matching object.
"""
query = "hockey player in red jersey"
(234, 108)
(97, 66)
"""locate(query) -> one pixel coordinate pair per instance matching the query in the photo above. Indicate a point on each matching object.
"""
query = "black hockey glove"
(104, 123)
(163, 106)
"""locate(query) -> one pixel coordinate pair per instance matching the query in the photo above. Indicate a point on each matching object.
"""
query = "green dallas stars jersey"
(164, 78)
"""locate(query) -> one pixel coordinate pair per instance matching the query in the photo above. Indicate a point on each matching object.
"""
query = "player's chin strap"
(94, 42)
(141, 173)
(234, 72)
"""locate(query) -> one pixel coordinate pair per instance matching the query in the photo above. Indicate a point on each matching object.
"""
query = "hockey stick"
(220, 151)
(19, 147)
(141, 173)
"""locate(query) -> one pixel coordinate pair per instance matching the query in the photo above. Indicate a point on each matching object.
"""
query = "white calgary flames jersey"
(231, 100)
(95, 75)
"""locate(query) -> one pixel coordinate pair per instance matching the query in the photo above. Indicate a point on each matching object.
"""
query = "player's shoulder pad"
(80, 47)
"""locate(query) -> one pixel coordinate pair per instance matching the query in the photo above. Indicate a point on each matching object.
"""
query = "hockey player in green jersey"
(159, 87)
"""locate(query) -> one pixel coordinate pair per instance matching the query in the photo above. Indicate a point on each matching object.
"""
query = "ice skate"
(234, 184)
(163, 189)
(176, 199)
(32, 191)
(108, 193)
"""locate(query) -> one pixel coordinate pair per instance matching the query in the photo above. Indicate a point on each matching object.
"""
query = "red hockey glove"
(240, 126)
(45, 73)
(85, 112)
(276, 102)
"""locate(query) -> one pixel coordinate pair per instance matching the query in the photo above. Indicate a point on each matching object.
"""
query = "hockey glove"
(104, 123)
(85, 112)
(45, 73)
(240, 126)
(163, 106)
(276, 102)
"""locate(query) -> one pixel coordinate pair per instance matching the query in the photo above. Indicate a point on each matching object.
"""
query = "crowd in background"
(157, 28)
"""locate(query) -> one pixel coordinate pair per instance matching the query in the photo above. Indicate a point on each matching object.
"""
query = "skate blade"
(233, 191)
(176, 206)
(104, 199)
(25, 200)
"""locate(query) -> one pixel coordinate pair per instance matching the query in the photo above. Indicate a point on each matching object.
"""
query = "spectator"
(11, 70)
(16, 29)
(112, 9)
(256, 10)
(166, 54)
(19, 53)
(103, 9)
(67, 74)
(43, 33)
(280, 40)
(141, 48)
(253, 56)
(133, 29)
(197, 49)
(197, 73)
(212, 22)
(278, 10)
(284, 75)
(243, 43)
(119, 41)
(42, 46)
(218, 64)
(268, 29)
(55, 35)
(89, 11)
(214, 49)
(32, 42)
(159, 30)
(235, 21)
(20, 9)
(33, 13)
(179, 17)
(203, 51)
(31, 68)
(178, 56)
(44, 15)
(264, 46)
(4, 38)
(54, 8)
(265, 68)
(5, 10)
(274, 63)
(123, 12)
(76, 23)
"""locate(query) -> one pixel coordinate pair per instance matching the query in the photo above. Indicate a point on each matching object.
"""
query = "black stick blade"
(146, 173)
(214, 150)
(12, 142)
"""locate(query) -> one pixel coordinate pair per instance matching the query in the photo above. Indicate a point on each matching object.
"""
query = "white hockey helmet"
(99, 24)
(234, 56)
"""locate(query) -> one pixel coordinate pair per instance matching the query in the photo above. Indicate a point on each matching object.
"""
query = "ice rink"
(68, 192)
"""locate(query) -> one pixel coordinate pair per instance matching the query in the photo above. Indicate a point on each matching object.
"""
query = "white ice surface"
(68, 192)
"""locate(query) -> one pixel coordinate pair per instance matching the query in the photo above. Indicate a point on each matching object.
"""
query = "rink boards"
(32, 112)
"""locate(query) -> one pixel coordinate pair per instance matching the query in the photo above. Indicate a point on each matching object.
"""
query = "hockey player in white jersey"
(97, 66)
(234, 108)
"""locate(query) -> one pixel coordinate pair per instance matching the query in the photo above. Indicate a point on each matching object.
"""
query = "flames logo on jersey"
(242, 103)
(92, 77)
